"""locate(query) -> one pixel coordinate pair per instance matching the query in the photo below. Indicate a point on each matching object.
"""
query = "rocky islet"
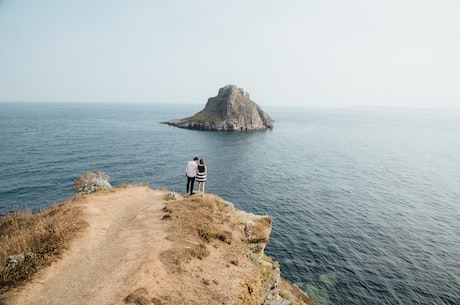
(231, 110)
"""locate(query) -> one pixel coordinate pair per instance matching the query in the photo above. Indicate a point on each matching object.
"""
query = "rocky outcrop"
(230, 110)
(219, 253)
(90, 183)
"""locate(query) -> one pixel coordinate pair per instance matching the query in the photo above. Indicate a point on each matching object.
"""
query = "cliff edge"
(144, 246)
(230, 110)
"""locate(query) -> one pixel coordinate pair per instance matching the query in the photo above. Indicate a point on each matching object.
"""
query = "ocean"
(365, 202)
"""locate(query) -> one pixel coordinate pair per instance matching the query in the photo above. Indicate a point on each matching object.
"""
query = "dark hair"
(201, 161)
(196, 158)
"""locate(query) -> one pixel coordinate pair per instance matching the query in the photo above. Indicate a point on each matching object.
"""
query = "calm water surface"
(366, 203)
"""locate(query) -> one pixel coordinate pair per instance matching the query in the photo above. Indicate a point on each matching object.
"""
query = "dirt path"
(116, 253)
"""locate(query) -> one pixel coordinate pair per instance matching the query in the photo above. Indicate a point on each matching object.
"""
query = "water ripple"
(365, 205)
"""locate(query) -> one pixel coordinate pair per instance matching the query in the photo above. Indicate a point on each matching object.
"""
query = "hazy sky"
(324, 53)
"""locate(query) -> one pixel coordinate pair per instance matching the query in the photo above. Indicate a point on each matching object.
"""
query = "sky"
(328, 53)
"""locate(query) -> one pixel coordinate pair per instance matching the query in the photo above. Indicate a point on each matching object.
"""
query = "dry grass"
(210, 256)
(194, 229)
(35, 240)
(199, 217)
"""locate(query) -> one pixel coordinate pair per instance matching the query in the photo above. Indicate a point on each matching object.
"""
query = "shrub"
(29, 242)
(204, 234)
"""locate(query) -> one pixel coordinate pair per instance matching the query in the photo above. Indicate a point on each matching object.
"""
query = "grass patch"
(169, 197)
(204, 234)
(266, 271)
(208, 235)
(284, 295)
(30, 241)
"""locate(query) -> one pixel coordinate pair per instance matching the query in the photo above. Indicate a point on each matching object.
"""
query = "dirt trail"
(126, 231)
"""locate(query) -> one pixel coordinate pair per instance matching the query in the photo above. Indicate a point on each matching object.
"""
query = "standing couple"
(194, 170)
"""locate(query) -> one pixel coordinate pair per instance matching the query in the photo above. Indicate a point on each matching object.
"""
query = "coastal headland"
(145, 246)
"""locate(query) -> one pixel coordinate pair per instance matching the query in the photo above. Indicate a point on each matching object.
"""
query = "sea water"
(365, 202)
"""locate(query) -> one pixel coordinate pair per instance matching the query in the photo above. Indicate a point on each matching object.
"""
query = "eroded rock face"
(257, 231)
(230, 110)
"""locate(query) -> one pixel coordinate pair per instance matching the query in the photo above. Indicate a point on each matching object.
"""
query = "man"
(190, 172)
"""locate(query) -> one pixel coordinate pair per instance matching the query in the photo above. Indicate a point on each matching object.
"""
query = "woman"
(201, 172)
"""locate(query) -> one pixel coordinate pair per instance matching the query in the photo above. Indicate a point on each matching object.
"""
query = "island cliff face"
(230, 110)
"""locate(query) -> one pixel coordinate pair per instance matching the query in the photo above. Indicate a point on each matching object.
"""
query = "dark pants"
(190, 182)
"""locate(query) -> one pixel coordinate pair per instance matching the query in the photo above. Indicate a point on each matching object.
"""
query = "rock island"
(230, 110)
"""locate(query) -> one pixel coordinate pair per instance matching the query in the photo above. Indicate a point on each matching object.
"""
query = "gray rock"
(93, 185)
(230, 110)
(15, 260)
(272, 295)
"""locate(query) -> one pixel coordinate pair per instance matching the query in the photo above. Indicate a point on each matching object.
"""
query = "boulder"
(90, 183)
